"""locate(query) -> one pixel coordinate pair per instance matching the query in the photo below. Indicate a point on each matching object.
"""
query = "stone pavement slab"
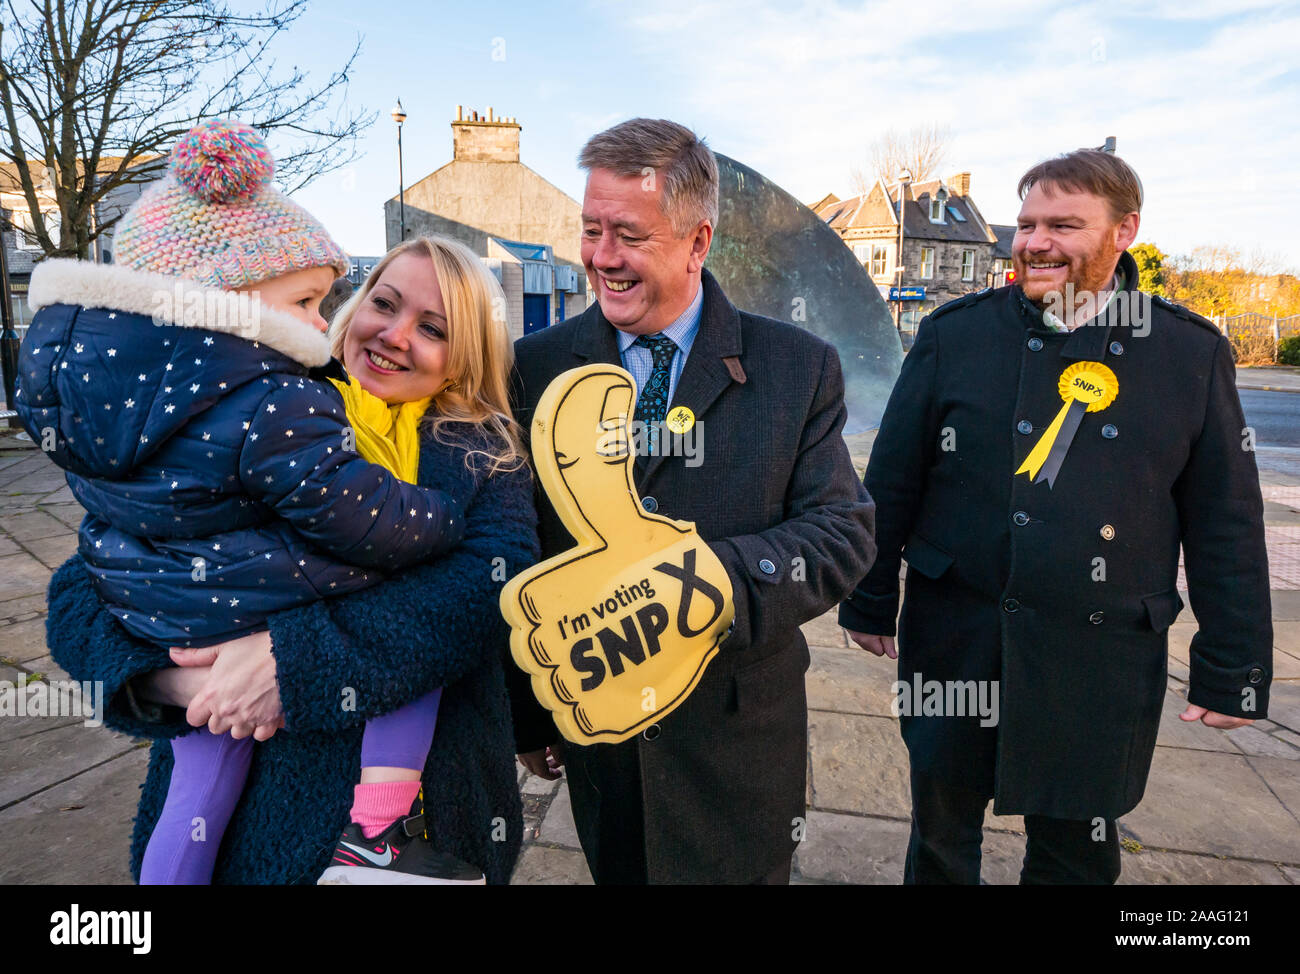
(1284, 704)
(1283, 779)
(33, 525)
(23, 608)
(825, 631)
(859, 764)
(1253, 741)
(1286, 605)
(1147, 868)
(38, 761)
(79, 831)
(53, 552)
(22, 641)
(557, 827)
(850, 681)
(542, 866)
(850, 849)
(22, 575)
(1215, 803)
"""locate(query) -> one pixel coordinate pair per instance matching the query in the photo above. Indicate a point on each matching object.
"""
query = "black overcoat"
(1064, 594)
(722, 778)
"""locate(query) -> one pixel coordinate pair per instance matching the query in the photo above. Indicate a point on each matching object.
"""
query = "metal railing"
(1255, 335)
(1254, 322)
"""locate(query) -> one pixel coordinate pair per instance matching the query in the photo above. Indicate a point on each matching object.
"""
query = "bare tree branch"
(95, 93)
(921, 151)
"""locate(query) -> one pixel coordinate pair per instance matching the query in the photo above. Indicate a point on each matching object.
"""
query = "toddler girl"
(184, 392)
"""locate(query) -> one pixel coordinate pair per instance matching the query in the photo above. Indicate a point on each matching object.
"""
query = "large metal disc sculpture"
(774, 256)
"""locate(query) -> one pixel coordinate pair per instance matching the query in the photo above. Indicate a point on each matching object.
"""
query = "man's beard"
(1092, 273)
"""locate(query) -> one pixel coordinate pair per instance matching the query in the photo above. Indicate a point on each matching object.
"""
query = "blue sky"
(1202, 95)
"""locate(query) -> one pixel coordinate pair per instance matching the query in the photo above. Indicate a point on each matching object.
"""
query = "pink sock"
(378, 805)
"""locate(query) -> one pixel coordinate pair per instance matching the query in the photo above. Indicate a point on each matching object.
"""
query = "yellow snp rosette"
(616, 632)
(1086, 387)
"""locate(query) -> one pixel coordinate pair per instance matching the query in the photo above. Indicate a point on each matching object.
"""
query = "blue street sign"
(907, 294)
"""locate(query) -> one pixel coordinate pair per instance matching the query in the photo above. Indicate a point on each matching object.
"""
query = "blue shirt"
(640, 362)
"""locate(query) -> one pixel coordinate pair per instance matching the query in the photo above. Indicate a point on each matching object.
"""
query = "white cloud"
(1201, 109)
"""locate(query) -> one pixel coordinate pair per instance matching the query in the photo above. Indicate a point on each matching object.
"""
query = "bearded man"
(1046, 449)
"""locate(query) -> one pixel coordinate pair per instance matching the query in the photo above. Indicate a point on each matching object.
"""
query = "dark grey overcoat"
(722, 778)
(1064, 595)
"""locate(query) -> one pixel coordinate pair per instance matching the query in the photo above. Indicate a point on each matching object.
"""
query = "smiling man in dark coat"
(714, 792)
(1047, 447)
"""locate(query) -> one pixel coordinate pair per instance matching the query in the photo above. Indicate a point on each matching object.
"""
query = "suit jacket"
(776, 498)
(1064, 594)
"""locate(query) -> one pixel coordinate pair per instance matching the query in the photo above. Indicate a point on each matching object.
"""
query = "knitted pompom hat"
(215, 218)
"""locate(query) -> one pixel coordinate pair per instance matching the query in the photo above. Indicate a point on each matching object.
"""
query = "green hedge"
(1288, 351)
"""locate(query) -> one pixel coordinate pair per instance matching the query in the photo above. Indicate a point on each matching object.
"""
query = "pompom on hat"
(216, 219)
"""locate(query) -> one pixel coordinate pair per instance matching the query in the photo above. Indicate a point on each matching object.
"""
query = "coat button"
(1035, 344)
(1010, 605)
(652, 732)
(1116, 348)
(1107, 532)
(1256, 675)
(1109, 431)
(1096, 618)
(1021, 518)
(766, 567)
(1024, 426)
(650, 504)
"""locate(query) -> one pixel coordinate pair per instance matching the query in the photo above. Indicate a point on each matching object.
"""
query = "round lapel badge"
(680, 419)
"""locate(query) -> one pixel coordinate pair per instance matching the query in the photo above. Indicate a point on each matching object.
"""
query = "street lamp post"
(904, 178)
(399, 117)
(8, 336)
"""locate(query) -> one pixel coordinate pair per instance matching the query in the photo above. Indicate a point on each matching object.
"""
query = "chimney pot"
(458, 111)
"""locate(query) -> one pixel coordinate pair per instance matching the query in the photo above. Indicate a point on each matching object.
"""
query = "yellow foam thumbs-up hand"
(617, 631)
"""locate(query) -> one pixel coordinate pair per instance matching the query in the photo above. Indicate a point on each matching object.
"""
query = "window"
(968, 265)
(927, 262)
(956, 214)
(862, 252)
(936, 210)
(879, 258)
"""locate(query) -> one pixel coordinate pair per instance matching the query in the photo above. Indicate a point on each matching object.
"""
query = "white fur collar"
(175, 301)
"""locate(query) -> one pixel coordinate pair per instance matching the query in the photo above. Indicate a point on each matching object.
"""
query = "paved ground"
(1269, 378)
(1220, 807)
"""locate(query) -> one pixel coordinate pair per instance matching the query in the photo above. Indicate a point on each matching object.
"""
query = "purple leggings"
(209, 775)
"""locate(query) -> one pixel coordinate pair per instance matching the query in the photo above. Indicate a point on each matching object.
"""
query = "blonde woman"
(359, 681)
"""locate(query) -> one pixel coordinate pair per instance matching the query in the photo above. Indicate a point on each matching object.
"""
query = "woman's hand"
(241, 694)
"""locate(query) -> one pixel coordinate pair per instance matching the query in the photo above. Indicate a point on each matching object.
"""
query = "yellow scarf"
(386, 435)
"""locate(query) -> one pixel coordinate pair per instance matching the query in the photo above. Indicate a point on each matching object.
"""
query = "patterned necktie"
(652, 404)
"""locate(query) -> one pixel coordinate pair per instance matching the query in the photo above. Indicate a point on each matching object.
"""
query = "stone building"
(948, 247)
(21, 249)
(527, 230)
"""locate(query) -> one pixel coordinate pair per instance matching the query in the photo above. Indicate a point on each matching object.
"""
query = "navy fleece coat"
(218, 469)
(436, 624)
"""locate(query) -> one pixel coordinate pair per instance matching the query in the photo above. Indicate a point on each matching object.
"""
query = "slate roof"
(879, 208)
(1005, 235)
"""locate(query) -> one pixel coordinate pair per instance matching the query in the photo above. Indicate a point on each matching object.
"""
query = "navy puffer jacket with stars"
(214, 460)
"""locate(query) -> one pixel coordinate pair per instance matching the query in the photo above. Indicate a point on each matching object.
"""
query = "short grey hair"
(678, 158)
